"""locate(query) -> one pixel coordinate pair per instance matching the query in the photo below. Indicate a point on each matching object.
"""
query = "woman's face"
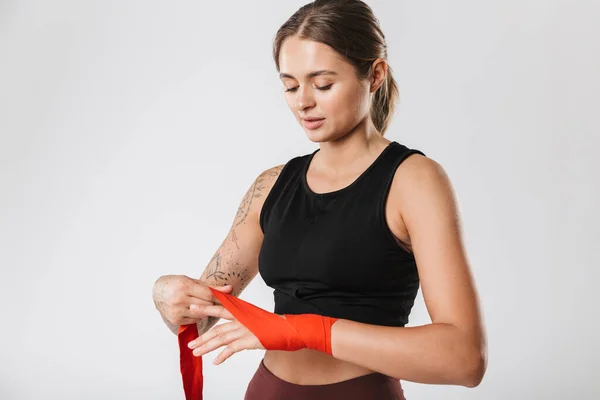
(320, 85)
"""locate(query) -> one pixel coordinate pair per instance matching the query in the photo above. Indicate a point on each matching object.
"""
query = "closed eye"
(322, 88)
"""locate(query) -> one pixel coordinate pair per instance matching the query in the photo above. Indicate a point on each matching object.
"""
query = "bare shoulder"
(269, 176)
(420, 178)
(417, 166)
(257, 193)
(419, 185)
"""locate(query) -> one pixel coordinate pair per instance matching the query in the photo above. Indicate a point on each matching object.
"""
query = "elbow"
(474, 370)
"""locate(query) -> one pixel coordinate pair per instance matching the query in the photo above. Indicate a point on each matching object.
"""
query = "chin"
(317, 136)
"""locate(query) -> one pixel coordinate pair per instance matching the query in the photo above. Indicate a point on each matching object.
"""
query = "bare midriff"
(311, 367)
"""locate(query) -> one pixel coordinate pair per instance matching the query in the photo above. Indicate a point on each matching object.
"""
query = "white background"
(130, 131)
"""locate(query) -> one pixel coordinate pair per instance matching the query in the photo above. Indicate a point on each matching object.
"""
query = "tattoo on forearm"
(214, 268)
(245, 205)
(238, 274)
(217, 274)
(234, 238)
(221, 270)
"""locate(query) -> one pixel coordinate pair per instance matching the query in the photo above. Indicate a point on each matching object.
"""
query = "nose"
(304, 99)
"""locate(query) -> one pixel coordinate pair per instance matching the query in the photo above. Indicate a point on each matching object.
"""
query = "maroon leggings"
(264, 385)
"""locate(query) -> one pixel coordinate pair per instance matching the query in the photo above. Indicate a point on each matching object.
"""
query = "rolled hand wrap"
(295, 332)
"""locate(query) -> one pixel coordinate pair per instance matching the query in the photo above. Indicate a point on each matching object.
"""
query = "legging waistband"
(265, 385)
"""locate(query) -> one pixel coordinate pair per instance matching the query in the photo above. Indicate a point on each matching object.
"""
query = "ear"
(378, 74)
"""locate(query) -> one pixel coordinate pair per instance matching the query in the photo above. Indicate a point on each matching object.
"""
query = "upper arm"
(235, 262)
(429, 210)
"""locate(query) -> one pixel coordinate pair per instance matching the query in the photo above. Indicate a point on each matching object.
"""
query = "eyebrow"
(311, 75)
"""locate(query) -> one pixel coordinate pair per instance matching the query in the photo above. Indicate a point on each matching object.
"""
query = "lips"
(312, 123)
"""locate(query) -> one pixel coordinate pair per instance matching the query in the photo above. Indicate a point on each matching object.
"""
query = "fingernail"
(193, 307)
(191, 344)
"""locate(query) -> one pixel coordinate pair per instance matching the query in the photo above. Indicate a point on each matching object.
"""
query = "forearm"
(435, 353)
(432, 354)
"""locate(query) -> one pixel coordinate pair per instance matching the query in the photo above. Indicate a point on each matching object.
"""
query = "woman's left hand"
(232, 334)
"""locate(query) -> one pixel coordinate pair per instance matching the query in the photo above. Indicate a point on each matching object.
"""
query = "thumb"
(224, 289)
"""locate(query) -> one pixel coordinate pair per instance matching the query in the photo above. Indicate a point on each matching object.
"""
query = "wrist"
(314, 330)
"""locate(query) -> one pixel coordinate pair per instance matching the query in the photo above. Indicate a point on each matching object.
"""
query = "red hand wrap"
(295, 332)
(190, 365)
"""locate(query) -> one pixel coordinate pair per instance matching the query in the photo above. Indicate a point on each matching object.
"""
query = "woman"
(349, 231)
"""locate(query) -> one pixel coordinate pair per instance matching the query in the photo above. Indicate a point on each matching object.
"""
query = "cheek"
(334, 103)
(362, 105)
(289, 101)
(347, 107)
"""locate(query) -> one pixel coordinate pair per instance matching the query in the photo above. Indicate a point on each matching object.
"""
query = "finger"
(218, 341)
(184, 314)
(225, 289)
(212, 333)
(199, 311)
(201, 291)
(232, 348)
(193, 300)
(228, 289)
(187, 311)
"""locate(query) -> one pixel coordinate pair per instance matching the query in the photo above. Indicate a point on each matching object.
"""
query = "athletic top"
(333, 253)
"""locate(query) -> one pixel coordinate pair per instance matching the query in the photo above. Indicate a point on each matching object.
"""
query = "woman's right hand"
(173, 295)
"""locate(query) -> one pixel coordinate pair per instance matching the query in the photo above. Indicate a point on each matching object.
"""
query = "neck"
(361, 145)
